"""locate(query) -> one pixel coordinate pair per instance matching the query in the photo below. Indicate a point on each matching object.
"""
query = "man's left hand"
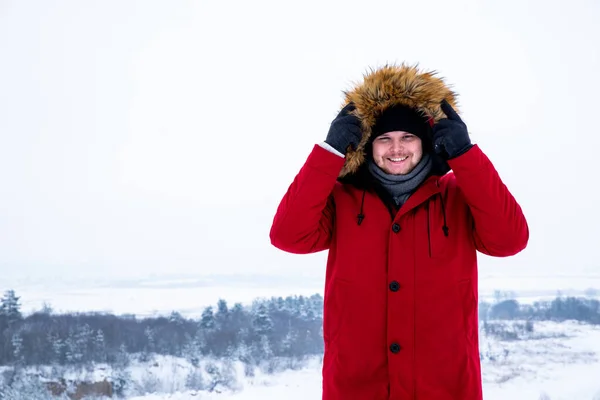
(450, 135)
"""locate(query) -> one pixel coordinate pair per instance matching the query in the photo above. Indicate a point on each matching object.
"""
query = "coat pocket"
(333, 314)
(468, 304)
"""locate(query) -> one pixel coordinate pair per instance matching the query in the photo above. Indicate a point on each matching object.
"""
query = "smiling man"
(402, 230)
(397, 152)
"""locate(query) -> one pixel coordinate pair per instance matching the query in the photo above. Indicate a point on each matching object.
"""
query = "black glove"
(450, 135)
(344, 130)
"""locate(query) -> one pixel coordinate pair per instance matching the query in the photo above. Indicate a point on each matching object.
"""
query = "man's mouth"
(399, 159)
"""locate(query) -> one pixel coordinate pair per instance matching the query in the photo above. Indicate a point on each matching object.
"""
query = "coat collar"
(429, 188)
(362, 180)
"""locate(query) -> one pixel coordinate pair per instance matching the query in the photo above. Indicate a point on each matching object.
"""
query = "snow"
(562, 368)
(289, 385)
(565, 364)
(558, 360)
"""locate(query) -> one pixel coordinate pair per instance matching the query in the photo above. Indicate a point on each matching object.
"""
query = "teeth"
(399, 159)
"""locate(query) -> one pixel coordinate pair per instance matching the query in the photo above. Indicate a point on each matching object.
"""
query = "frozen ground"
(548, 364)
(560, 361)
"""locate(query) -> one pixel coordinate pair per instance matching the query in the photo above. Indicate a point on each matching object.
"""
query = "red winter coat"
(400, 317)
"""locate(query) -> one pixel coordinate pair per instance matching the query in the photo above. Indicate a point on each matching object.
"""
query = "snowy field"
(557, 362)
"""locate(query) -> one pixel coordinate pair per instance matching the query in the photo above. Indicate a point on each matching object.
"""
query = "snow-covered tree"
(262, 322)
(72, 352)
(79, 344)
(176, 317)
(224, 376)
(122, 358)
(47, 309)
(149, 333)
(265, 348)
(222, 309)
(237, 308)
(10, 307)
(28, 387)
(263, 325)
(100, 346)
(17, 344)
(56, 345)
(207, 320)
(194, 380)
(288, 343)
(192, 351)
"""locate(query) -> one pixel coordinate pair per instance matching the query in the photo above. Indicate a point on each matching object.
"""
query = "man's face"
(397, 152)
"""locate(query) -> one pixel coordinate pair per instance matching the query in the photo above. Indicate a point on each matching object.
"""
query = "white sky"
(145, 137)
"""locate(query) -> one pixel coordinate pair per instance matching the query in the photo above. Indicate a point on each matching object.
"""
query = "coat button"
(395, 348)
(396, 228)
(394, 286)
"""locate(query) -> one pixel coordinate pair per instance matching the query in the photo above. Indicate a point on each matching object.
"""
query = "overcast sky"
(143, 137)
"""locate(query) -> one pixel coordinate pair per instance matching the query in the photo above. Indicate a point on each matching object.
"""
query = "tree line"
(288, 327)
(275, 327)
(559, 309)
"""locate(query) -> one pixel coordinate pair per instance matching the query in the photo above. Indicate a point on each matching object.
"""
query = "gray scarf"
(401, 186)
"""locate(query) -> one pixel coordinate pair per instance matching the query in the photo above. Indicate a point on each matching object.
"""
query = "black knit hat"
(402, 118)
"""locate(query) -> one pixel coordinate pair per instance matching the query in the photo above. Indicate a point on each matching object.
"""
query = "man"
(400, 318)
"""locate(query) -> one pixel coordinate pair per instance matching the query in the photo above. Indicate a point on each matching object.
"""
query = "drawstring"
(445, 227)
(360, 215)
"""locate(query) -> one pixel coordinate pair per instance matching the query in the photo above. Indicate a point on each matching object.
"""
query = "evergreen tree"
(57, 346)
(122, 358)
(288, 343)
(10, 307)
(222, 309)
(46, 309)
(237, 308)
(265, 350)
(192, 352)
(151, 346)
(176, 317)
(72, 353)
(237, 319)
(17, 344)
(263, 325)
(207, 320)
(100, 346)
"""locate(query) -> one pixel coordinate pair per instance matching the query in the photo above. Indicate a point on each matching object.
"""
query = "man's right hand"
(344, 130)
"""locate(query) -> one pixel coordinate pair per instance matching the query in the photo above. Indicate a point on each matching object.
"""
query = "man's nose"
(397, 144)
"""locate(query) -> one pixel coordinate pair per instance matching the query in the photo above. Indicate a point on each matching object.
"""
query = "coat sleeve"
(500, 228)
(304, 219)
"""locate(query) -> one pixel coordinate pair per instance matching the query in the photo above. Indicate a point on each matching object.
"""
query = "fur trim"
(389, 86)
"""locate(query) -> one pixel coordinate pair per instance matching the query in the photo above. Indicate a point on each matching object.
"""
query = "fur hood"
(388, 86)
